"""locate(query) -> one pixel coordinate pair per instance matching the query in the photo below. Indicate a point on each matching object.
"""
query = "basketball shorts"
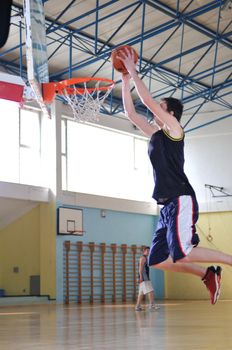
(175, 233)
(145, 287)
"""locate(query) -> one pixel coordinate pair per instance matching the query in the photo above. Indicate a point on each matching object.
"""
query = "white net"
(86, 105)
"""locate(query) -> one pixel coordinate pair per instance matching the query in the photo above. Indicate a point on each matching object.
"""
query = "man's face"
(146, 252)
(163, 105)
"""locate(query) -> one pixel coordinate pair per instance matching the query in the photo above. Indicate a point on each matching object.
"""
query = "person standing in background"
(145, 285)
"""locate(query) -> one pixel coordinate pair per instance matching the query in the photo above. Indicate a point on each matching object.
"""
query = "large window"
(9, 141)
(99, 161)
(30, 155)
(20, 145)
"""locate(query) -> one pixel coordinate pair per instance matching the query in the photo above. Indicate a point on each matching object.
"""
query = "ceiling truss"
(194, 92)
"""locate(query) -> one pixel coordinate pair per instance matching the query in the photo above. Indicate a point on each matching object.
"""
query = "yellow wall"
(30, 244)
(19, 244)
(48, 249)
(183, 286)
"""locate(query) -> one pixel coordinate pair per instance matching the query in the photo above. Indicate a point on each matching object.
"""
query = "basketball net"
(85, 103)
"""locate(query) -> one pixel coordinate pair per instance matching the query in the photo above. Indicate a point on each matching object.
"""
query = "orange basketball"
(118, 65)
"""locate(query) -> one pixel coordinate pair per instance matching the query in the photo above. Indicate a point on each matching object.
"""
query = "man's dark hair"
(145, 248)
(174, 105)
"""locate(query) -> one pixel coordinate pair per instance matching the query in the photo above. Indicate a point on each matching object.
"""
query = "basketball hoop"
(85, 102)
(76, 232)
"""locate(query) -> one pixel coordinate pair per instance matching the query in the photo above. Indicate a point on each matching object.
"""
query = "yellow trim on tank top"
(173, 138)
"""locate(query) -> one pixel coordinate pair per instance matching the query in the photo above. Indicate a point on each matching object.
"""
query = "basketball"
(118, 65)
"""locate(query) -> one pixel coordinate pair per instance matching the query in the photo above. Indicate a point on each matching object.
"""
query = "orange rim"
(52, 89)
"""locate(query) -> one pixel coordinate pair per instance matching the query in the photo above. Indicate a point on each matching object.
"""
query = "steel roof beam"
(209, 123)
(68, 70)
(132, 41)
(229, 63)
(223, 95)
(218, 69)
(188, 18)
(14, 67)
(178, 56)
(195, 13)
(119, 27)
(60, 15)
(195, 112)
(214, 99)
(207, 91)
(178, 16)
(86, 14)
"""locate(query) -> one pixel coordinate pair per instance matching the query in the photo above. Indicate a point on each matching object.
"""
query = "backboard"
(36, 49)
(70, 221)
(11, 87)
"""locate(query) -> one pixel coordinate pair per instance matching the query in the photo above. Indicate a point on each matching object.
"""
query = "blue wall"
(116, 227)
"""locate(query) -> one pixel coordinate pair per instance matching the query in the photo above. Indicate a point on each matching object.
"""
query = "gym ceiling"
(184, 49)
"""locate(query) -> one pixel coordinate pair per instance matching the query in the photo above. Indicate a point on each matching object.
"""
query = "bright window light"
(107, 163)
(30, 129)
(30, 167)
(9, 141)
(64, 172)
(20, 145)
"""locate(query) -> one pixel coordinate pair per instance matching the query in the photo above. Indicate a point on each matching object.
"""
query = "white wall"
(208, 161)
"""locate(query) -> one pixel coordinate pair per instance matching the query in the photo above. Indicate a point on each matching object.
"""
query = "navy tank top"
(167, 159)
(145, 273)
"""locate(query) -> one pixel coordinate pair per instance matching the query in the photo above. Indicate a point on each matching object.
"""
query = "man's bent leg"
(211, 276)
(191, 268)
(200, 254)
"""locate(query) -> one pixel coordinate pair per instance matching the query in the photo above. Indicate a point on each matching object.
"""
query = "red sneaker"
(212, 280)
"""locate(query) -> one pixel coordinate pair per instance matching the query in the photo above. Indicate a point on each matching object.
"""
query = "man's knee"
(156, 259)
(157, 265)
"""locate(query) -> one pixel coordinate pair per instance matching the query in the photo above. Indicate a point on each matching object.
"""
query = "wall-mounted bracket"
(220, 192)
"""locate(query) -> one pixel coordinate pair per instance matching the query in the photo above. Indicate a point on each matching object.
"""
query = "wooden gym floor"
(182, 325)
